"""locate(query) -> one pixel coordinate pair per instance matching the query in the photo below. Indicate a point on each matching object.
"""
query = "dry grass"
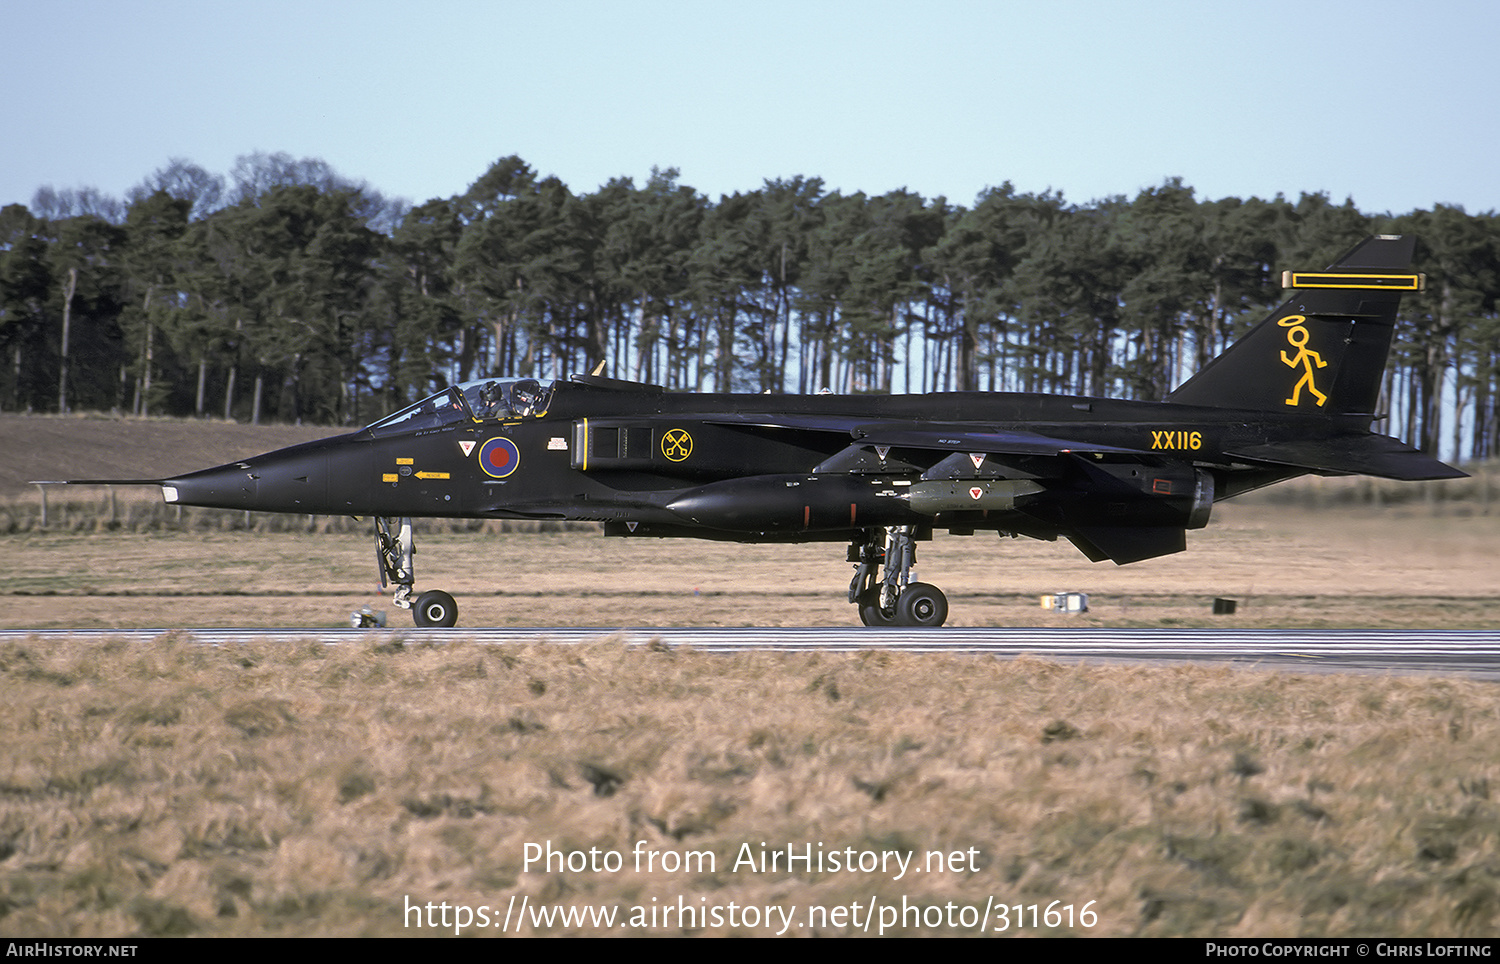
(278, 789)
(1287, 568)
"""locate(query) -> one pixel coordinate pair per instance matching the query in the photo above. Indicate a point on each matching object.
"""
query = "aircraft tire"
(921, 605)
(870, 612)
(435, 608)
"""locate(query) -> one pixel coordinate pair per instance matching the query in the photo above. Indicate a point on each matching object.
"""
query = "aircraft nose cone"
(288, 480)
(226, 487)
(291, 480)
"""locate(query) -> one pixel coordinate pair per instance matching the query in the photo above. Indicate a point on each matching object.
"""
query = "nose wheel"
(395, 545)
(435, 608)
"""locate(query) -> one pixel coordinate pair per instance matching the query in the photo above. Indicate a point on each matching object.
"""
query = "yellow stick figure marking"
(1296, 336)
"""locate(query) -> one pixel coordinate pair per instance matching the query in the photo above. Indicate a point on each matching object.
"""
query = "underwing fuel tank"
(789, 503)
(956, 495)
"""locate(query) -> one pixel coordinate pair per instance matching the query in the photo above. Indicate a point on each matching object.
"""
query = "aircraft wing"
(789, 420)
(949, 437)
(938, 436)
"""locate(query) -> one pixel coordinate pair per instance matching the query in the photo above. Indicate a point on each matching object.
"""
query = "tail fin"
(1323, 351)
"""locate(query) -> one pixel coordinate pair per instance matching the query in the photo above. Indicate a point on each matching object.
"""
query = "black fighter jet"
(1121, 480)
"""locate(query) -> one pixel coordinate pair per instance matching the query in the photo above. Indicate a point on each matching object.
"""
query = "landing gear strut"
(394, 548)
(891, 598)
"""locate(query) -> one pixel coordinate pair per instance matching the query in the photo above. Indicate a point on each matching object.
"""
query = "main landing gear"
(891, 598)
(394, 548)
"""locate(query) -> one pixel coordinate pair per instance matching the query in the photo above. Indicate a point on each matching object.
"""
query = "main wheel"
(435, 608)
(870, 612)
(921, 605)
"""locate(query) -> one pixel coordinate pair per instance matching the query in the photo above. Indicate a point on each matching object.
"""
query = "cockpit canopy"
(480, 400)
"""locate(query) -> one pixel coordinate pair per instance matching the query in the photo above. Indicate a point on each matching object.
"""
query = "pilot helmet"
(527, 392)
(490, 393)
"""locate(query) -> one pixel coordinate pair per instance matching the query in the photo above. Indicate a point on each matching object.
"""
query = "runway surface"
(1471, 653)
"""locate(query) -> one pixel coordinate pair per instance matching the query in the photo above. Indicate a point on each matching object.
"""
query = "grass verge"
(278, 789)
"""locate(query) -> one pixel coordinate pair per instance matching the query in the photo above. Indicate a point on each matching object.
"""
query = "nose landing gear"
(394, 547)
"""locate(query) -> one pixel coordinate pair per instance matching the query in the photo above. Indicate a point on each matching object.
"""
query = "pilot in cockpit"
(489, 401)
(525, 395)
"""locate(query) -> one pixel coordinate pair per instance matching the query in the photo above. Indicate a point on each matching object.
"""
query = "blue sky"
(1396, 105)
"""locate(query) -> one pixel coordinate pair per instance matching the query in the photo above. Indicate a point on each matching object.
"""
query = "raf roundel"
(499, 457)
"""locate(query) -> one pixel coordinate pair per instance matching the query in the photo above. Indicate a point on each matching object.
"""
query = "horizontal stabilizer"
(1377, 455)
(1126, 544)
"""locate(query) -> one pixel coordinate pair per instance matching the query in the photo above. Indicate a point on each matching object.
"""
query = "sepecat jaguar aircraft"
(1121, 480)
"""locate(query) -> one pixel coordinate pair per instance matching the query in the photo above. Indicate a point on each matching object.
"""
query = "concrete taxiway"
(1470, 653)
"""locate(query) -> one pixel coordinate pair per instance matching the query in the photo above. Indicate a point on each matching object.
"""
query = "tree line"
(287, 292)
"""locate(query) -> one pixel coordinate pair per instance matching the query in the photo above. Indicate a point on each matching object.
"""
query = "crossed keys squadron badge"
(676, 444)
